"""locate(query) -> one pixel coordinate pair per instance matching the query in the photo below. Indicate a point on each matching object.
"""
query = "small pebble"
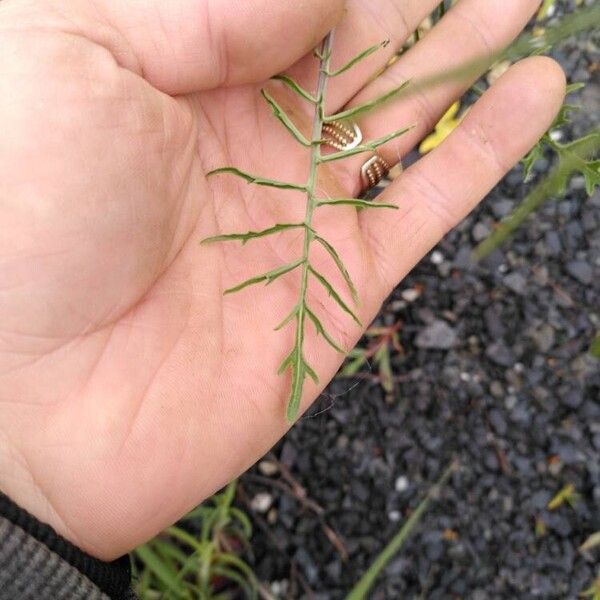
(402, 484)
(262, 502)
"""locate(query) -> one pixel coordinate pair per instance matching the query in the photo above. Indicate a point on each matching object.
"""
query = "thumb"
(183, 46)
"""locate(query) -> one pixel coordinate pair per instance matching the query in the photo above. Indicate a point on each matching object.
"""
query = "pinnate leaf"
(336, 297)
(244, 238)
(267, 278)
(358, 58)
(284, 185)
(322, 331)
(296, 87)
(356, 203)
(287, 122)
(340, 265)
(366, 107)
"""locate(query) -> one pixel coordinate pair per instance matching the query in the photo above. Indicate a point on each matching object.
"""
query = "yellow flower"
(448, 123)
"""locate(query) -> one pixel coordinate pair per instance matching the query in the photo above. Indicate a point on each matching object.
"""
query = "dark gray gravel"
(496, 372)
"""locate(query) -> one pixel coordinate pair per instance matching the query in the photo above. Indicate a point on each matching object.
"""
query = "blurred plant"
(383, 341)
(593, 592)
(361, 589)
(592, 542)
(567, 495)
(595, 347)
(181, 565)
(576, 157)
(590, 169)
(573, 158)
(546, 10)
(540, 527)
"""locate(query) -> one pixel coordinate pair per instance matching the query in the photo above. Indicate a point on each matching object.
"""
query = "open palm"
(130, 387)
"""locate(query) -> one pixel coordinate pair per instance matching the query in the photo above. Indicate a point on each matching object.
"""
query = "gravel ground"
(495, 372)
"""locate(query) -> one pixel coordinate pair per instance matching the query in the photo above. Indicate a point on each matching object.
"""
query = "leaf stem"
(299, 369)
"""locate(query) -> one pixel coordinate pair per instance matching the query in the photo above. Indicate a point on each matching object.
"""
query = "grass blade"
(331, 291)
(340, 265)
(285, 120)
(361, 109)
(282, 185)
(251, 235)
(358, 58)
(296, 87)
(269, 277)
(355, 203)
(361, 589)
(321, 330)
(167, 577)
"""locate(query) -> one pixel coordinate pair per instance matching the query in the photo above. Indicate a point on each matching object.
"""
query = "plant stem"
(311, 204)
(361, 589)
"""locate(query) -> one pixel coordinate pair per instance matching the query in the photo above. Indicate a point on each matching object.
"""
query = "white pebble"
(394, 516)
(262, 502)
(437, 258)
(268, 468)
(402, 484)
(411, 294)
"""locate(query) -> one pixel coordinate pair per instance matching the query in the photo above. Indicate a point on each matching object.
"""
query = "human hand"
(130, 388)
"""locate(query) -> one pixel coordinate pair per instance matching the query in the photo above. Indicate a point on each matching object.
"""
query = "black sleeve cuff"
(34, 558)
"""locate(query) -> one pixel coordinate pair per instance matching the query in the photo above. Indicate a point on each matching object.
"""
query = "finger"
(183, 46)
(365, 24)
(472, 29)
(442, 188)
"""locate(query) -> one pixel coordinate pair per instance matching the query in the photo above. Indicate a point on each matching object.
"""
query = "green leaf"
(331, 291)
(357, 59)
(321, 330)
(269, 277)
(536, 153)
(591, 172)
(355, 203)
(361, 109)
(281, 115)
(251, 235)
(572, 158)
(283, 185)
(287, 361)
(358, 359)
(167, 577)
(561, 119)
(311, 373)
(340, 265)
(370, 147)
(288, 319)
(361, 589)
(386, 377)
(595, 347)
(579, 153)
(296, 87)
(234, 577)
(298, 376)
(574, 87)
